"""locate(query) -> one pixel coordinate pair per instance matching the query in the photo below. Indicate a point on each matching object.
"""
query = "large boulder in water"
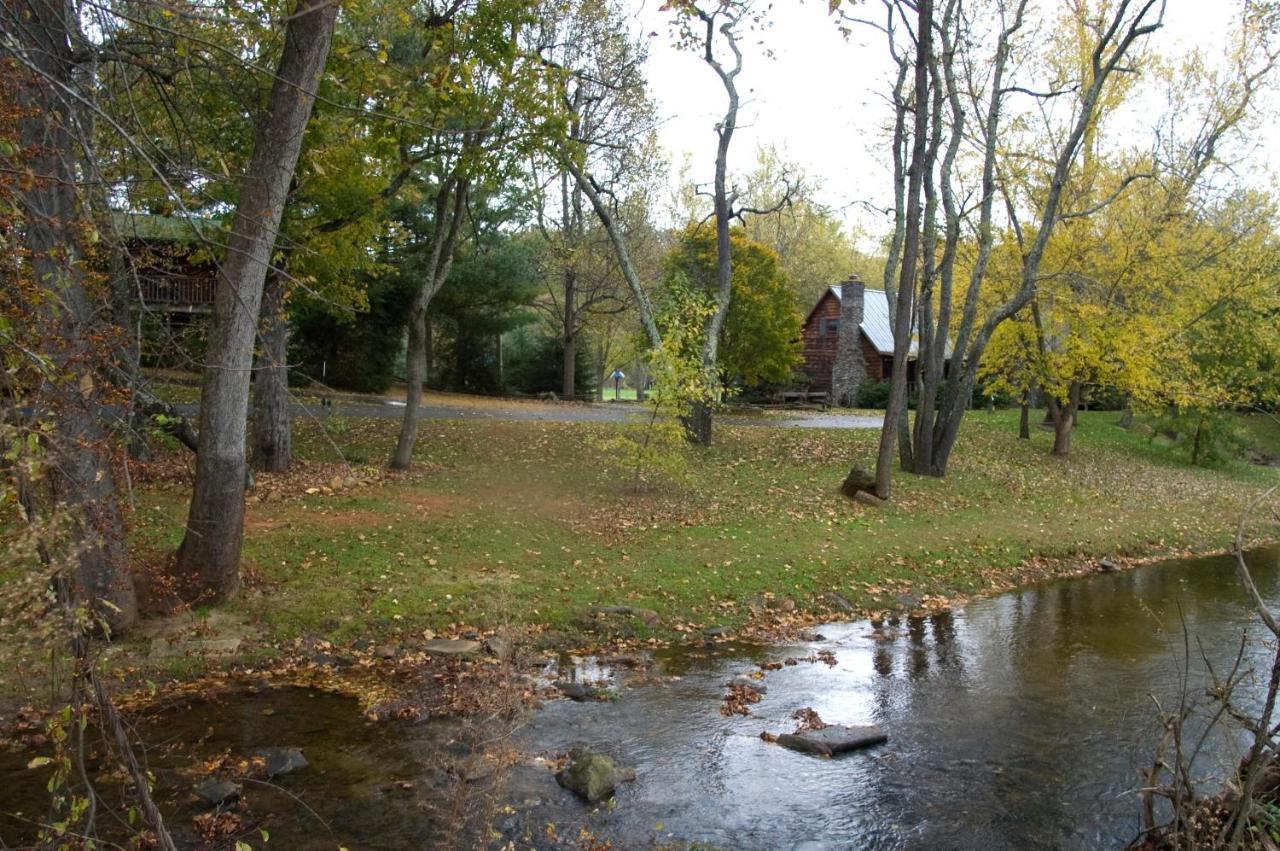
(859, 480)
(592, 776)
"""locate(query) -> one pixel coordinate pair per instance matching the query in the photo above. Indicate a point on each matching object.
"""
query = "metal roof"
(875, 320)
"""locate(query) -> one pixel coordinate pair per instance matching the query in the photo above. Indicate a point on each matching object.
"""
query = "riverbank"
(1015, 721)
(535, 529)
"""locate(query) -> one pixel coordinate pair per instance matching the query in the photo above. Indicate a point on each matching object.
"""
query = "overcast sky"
(820, 98)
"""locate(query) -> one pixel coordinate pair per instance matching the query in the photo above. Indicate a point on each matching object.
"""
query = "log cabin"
(848, 304)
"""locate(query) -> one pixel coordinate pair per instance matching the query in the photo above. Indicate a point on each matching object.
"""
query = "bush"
(1209, 437)
(873, 394)
(361, 353)
(534, 363)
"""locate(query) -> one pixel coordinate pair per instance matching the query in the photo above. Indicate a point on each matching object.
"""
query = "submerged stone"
(283, 760)
(215, 793)
(833, 740)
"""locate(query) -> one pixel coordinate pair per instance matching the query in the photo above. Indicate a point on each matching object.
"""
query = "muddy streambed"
(1021, 721)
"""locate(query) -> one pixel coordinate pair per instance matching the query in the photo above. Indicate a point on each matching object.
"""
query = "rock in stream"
(833, 740)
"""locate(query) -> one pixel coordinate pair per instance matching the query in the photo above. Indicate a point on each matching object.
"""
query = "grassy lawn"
(527, 523)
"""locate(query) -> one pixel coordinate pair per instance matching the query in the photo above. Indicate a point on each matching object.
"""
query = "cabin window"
(829, 328)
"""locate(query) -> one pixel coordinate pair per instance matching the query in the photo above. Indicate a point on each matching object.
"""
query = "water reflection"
(1018, 722)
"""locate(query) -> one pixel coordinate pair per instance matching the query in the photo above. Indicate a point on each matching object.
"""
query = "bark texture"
(272, 427)
(209, 557)
(80, 475)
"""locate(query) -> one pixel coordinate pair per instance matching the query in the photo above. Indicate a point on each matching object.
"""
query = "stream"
(1019, 721)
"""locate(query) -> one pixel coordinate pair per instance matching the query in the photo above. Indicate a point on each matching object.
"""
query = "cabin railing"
(178, 289)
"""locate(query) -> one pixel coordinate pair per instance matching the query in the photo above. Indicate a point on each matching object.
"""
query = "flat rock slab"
(833, 739)
(215, 793)
(162, 648)
(451, 646)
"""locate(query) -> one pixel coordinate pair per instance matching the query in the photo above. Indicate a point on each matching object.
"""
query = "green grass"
(530, 523)
(1262, 431)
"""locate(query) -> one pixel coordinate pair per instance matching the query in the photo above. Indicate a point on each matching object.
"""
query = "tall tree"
(209, 557)
(595, 72)
(903, 306)
(485, 112)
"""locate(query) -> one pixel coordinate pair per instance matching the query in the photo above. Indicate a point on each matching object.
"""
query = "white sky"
(820, 98)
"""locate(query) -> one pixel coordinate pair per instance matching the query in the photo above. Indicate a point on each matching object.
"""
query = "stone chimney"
(849, 370)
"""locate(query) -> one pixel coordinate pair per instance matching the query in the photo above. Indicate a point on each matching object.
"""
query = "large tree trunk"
(80, 470)
(1063, 415)
(272, 435)
(697, 424)
(1024, 417)
(209, 558)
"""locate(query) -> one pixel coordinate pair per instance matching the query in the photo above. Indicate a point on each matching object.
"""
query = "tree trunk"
(272, 436)
(209, 557)
(896, 408)
(497, 344)
(1063, 416)
(450, 202)
(415, 368)
(697, 425)
(1200, 443)
(1024, 417)
(80, 470)
(568, 390)
(1062, 436)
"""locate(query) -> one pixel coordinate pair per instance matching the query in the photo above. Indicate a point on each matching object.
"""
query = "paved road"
(600, 413)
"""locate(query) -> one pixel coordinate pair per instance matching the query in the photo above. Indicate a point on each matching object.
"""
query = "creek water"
(1020, 721)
